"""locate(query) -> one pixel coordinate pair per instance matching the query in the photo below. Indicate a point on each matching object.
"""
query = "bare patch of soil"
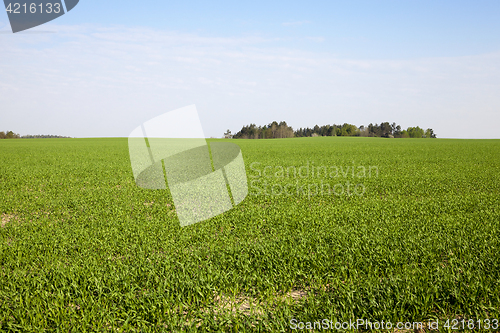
(250, 306)
(6, 218)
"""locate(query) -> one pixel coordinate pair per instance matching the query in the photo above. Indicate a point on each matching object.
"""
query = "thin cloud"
(287, 24)
(101, 81)
(316, 39)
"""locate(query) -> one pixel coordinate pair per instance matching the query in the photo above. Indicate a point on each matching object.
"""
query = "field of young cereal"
(332, 228)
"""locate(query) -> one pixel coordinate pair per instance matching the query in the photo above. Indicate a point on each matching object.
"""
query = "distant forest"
(12, 135)
(282, 130)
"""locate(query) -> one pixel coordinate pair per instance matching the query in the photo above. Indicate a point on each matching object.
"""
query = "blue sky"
(112, 65)
(358, 29)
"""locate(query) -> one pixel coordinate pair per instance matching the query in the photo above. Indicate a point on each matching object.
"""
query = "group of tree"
(328, 130)
(386, 130)
(9, 135)
(270, 131)
(12, 135)
(43, 136)
(282, 130)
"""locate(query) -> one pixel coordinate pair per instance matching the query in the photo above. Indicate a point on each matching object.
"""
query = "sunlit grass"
(82, 248)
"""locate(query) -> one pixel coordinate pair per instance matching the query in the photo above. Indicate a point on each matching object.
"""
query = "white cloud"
(103, 81)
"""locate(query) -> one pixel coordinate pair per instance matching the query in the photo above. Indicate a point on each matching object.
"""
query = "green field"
(83, 249)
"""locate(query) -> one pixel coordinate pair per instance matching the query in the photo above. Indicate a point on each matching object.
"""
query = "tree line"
(12, 135)
(282, 130)
(270, 131)
(9, 135)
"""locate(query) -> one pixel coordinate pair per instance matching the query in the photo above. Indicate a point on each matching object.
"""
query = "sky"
(106, 67)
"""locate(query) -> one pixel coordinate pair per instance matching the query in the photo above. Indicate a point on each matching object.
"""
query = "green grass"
(83, 249)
